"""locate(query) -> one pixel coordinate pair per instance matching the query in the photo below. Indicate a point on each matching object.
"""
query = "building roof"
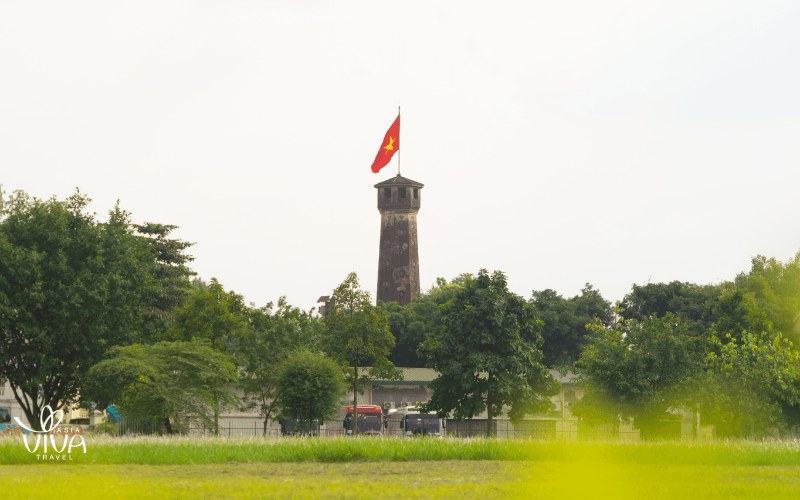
(422, 376)
(399, 181)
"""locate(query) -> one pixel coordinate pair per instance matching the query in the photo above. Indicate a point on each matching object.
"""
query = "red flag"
(391, 143)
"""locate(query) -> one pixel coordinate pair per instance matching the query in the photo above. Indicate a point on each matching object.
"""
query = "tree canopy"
(752, 385)
(176, 384)
(357, 336)
(171, 286)
(694, 304)
(737, 313)
(261, 351)
(71, 287)
(210, 313)
(638, 370)
(564, 331)
(488, 354)
(309, 387)
(413, 323)
(775, 288)
(214, 315)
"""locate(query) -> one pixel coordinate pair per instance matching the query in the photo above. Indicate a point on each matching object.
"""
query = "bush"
(105, 428)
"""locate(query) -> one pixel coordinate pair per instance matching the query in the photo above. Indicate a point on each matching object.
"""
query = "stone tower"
(398, 262)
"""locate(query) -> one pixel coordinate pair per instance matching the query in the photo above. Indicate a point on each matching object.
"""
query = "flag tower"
(398, 256)
(398, 203)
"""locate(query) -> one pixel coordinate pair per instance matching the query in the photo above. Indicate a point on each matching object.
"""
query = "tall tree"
(752, 386)
(638, 370)
(173, 383)
(214, 315)
(210, 313)
(737, 313)
(695, 304)
(357, 336)
(775, 287)
(264, 347)
(413, 323)
(488, 354)
(70, 288)
(565, 330)
(310, 387)
(172, 285)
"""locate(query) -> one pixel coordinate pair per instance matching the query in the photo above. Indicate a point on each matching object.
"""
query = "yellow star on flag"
(389, 146)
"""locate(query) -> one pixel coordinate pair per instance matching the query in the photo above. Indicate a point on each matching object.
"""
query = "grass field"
(445, 480)
(357, 468)
(199, 450)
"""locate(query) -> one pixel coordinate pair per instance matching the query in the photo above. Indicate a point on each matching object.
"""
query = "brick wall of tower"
(399, 201)
(398, 268)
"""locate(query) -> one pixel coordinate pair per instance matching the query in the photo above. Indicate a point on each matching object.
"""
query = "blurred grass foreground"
(352, 468)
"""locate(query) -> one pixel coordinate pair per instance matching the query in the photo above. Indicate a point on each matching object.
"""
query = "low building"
(11, 409)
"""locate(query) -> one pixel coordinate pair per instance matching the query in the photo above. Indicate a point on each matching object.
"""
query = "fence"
(546, 430)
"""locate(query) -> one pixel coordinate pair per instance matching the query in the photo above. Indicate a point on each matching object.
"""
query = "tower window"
(402, 192)
(416, 193)
(387, 192)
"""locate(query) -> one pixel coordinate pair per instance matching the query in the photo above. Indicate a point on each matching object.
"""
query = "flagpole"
(398, 139)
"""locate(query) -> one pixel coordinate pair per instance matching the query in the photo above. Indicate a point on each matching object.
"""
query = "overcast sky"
(562, 142)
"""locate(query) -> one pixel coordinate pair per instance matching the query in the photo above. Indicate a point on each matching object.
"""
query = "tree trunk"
(355, 399)
(30, 406)
(266, 421)
(167, 425)
(489, 415)
(216, 419)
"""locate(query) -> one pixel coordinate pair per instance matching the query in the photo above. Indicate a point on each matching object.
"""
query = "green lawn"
(444, 479)
(199, 450)
(182, 467)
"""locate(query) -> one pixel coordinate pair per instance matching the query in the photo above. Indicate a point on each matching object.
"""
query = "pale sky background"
(562, 142)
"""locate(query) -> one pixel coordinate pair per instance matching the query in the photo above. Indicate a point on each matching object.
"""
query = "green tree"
(695, 304)
(172, 285)
(488, 354)
(214, 315)
(565, 333)
(309, 387)
(264, 347)
(413, 323)
(357, 335)
(638, 370)
(737, 313)
(752, 386)
(775, 287)
(71, 287)
(210, 313)
(174, 383)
